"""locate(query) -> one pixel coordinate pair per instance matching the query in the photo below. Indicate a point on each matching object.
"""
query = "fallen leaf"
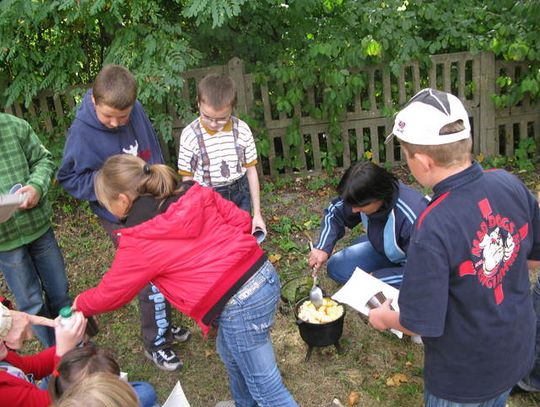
(209, 353)
(397, 379)
(354, 396)
(274, 258)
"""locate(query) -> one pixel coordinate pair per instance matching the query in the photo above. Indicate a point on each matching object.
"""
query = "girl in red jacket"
(197, 249)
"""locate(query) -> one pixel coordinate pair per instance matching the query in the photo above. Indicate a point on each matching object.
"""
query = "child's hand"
(258, 223)
(21, 324)
(68, 337)
(378, 317)
(32, 196)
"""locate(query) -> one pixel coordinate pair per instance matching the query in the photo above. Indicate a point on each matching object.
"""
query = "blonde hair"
(132, 176)
(77, 364)
(99, 390)
(445, 155)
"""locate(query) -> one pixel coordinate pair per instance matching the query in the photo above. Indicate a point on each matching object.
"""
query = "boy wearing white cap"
(466, 286)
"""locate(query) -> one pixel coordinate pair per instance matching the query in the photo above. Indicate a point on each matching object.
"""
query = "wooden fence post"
(236, 68)
(487, 136)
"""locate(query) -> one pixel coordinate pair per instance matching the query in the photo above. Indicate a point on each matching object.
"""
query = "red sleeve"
(232, 214)
(17, 392)
(40, 365)
(124, 280)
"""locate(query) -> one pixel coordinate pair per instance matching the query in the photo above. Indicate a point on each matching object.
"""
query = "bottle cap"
(66, 312)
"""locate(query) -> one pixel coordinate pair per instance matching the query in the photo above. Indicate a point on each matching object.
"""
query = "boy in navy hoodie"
(466, 287)
(111, 121)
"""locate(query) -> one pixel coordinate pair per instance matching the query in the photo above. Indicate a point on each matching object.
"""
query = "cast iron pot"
(319, 334)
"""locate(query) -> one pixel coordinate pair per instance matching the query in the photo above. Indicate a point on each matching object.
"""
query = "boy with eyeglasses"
(218, 150)
(110, 121)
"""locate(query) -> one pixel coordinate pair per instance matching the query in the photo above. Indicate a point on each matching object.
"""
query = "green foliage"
(63, 43)
(523, 159)
(517, 38)
(292, 47)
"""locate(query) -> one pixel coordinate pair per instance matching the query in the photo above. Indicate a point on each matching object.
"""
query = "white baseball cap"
(426, 113)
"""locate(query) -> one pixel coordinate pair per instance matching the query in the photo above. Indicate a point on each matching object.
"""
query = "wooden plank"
(486, 117)
(447, 77)
(59, 109)
(317, 164)
(250, 97)
(346, 147)
(360, 150)
(266, 104)
(461, 79)
(18, 110)
(433, 75)
(416, 77)
(236, 70)
(387, 88)
(401, 86)
(371, 90)
(509, 140)
(44, 107)
(374, 140)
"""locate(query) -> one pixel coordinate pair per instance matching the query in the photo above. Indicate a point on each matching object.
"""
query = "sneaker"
(523, 385)
(228, 403)
(180, 334)
(417, 339)
(164, 359)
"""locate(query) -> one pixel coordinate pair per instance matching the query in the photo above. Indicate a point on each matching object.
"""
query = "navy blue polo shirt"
(466, 286)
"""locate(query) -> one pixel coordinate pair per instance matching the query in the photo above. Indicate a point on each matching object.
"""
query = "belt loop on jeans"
(251, 286)
(233, 186)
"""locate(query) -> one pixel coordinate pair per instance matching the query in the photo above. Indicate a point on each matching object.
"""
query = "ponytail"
(132, 176)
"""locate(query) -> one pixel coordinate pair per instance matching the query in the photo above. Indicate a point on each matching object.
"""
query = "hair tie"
(146, 169)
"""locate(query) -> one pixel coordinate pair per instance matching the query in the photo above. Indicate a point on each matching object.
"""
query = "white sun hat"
(421, 120)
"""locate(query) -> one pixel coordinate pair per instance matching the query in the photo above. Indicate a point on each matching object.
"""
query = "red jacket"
(18, 392)
(198, 253)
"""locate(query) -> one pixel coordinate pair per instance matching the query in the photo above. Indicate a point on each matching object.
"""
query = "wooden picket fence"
(472, 77)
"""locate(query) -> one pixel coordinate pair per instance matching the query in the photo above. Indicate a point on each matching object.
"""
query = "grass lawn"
(375, 369)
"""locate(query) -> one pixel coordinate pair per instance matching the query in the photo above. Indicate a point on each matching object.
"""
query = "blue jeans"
(237, 192)
(244, 344)
(533, 378)
(431, 401)
(145, 393)
(36, 276)
(361, 253)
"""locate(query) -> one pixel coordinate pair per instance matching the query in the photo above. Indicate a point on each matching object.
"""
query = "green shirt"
(24, 160)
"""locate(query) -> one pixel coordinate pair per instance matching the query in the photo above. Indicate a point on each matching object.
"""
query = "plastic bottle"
(66, 317)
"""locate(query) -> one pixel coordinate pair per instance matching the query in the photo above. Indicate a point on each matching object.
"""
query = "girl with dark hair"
(386, 208)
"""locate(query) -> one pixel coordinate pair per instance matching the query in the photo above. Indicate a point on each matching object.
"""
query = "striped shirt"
(225, 166)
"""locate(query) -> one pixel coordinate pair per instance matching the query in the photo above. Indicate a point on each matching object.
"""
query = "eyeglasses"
(217, 122)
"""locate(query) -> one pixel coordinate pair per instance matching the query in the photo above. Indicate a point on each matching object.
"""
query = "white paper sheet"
(360, 288)
(177, 398)
(9, 204)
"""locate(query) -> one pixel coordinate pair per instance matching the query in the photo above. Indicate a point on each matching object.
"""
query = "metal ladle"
(315, 294)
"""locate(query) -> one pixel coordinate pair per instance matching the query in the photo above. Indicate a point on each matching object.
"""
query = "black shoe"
(180, 334)
(164, 359)
(526, 387)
